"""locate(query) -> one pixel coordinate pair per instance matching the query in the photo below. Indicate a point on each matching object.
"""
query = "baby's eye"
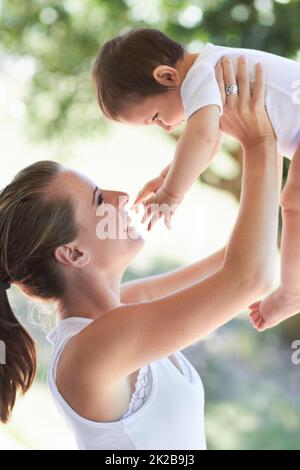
(100, 199)
(155, 117)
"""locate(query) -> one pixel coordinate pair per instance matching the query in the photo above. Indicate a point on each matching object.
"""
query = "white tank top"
(166, 410)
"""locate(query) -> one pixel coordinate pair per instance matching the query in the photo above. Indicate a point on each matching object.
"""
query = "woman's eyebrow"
(94, 194)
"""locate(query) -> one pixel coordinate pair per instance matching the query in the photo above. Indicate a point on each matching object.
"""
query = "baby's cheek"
(180, 112)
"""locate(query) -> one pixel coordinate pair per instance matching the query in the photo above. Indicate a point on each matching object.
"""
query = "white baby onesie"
(282, 98)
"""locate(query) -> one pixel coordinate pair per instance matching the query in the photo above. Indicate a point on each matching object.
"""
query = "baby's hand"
(148, 190)
(162, 203)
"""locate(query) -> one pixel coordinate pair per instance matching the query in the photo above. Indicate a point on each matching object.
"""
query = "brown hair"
(32, 225)
(123, 70)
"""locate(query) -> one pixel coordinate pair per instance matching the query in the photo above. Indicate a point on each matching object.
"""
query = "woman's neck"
(91, 298)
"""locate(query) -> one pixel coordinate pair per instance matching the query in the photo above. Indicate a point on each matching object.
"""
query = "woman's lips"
(126, 220)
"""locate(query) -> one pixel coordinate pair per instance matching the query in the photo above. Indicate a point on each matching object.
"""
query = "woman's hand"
(244, 116)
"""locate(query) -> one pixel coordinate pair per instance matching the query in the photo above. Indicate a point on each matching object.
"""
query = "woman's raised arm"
(131, 336)
(160, 285)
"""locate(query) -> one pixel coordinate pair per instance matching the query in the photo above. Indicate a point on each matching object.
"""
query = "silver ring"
(231, 89)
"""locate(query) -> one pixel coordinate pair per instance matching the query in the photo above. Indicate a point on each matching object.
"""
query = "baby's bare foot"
(276, 308)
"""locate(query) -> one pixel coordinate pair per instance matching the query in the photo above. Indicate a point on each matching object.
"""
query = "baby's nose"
(164, 126)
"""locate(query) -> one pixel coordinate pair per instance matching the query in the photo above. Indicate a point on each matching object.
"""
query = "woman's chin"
(133, 233)
(135, 229)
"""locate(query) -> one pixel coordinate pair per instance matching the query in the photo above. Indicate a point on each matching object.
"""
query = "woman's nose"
(122, 199)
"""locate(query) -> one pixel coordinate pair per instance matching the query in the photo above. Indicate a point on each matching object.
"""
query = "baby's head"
(137, 79)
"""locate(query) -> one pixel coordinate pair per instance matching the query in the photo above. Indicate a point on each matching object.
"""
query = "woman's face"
(103, 221)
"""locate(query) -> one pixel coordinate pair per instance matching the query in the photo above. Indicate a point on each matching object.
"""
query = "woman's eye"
(155, 117)
(100, 199)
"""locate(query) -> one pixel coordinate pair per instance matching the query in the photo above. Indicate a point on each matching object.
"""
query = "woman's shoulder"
(86, 385)
(80, 336)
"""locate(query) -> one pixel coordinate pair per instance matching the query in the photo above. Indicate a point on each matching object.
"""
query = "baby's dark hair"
(123, 70)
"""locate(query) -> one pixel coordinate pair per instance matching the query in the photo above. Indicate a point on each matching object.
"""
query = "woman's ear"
(167, 76)
(72, 256)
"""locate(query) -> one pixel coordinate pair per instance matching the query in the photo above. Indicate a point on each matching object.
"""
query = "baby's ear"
(167, 76)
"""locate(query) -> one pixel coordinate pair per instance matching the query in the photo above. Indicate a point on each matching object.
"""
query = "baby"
(144, 77)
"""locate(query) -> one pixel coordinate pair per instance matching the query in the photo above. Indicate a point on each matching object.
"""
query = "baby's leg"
(285, 301)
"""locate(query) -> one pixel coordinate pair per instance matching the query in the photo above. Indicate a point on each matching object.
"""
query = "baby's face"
(164, 110)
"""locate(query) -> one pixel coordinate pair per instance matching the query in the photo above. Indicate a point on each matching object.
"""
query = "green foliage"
(63, 37)
(251, 388)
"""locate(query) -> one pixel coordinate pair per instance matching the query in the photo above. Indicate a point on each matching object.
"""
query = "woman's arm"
(160, 285)
(130, 336)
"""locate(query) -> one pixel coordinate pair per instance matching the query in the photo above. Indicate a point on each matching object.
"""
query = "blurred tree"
(62, 37)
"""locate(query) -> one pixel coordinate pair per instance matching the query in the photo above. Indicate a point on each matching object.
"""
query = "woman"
(116, 372)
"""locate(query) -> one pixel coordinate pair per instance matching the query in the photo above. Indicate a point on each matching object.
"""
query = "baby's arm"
(194, 150)
(165, 170)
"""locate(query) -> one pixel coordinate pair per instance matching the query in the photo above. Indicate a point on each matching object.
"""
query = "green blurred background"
(48, 110)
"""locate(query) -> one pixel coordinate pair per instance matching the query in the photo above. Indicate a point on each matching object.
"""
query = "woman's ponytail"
(34, 221)
(18, 369)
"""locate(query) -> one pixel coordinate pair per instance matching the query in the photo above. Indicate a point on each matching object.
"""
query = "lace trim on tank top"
(143, 387)
(141, 392)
